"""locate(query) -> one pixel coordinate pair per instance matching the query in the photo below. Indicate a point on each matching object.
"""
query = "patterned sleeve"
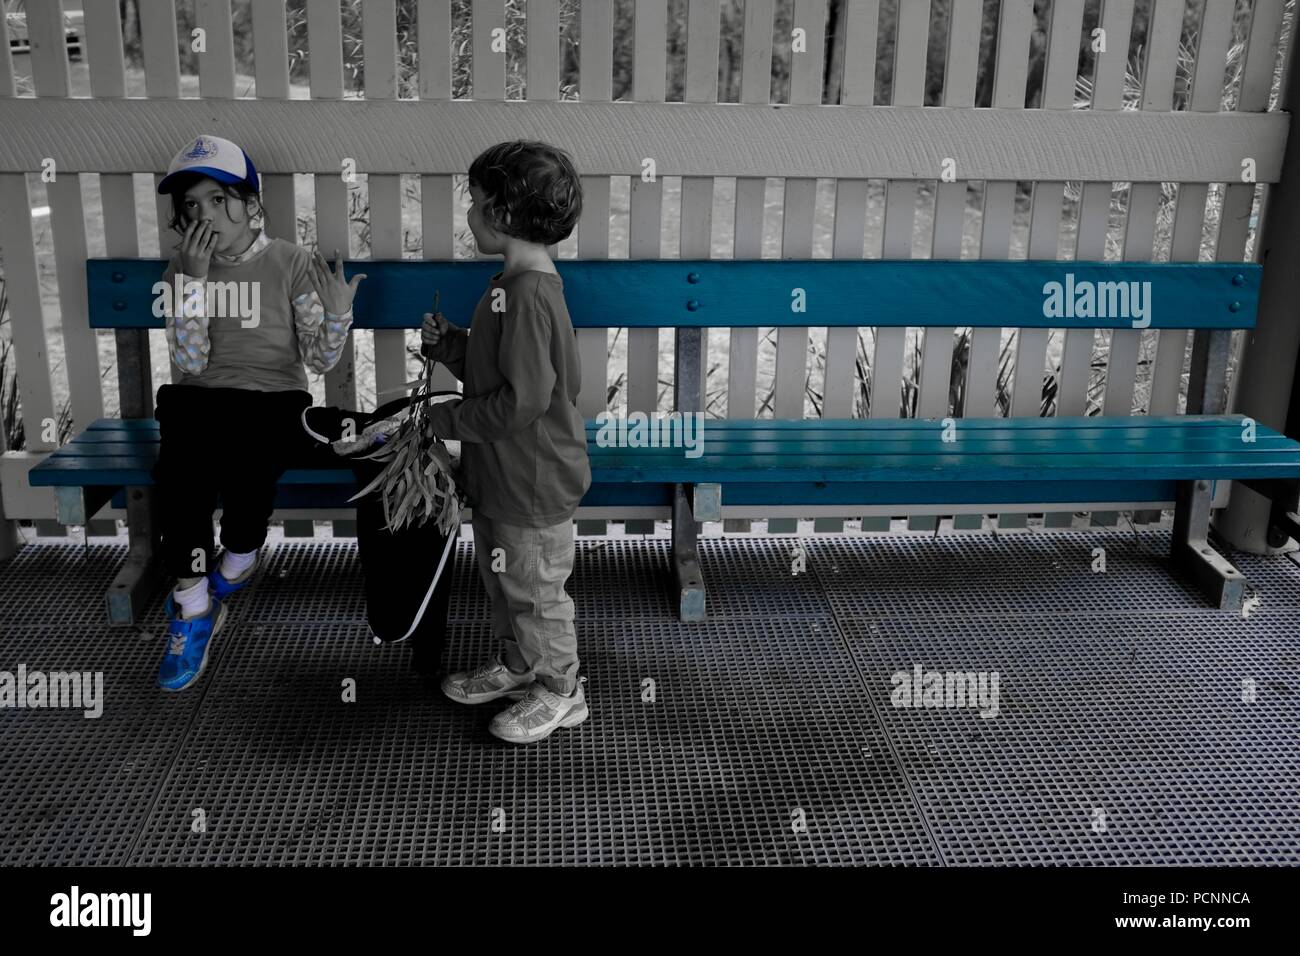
(186, 323)
(321, 335)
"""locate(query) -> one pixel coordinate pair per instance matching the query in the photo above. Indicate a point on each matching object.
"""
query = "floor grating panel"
(1122, 700)
(740, 735)
(1141, 727)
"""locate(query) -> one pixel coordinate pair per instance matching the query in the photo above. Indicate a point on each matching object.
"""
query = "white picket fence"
(1096, 175)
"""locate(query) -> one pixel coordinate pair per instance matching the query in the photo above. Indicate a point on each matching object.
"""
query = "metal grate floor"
(1123, 735)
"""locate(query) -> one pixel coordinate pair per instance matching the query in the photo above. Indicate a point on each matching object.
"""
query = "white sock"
(233, 565)
(193, 600)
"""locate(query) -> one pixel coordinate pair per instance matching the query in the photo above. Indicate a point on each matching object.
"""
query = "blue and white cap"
(212, 156)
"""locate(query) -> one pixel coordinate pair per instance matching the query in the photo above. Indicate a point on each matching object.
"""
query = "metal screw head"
(692, 277)
(1239, 279)
(1234, 306)
(693, 305)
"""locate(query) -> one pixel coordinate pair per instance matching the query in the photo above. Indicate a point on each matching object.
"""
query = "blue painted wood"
(720, 293)
(1041, 463)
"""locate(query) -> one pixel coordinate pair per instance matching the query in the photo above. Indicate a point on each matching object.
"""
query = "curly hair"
(531, 190)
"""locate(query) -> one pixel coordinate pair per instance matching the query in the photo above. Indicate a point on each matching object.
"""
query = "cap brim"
(220, 175)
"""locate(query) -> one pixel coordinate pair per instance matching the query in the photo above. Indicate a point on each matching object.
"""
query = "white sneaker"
(486, 682)
(539, 714)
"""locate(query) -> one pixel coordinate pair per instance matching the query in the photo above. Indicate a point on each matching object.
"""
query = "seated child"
(262, 308)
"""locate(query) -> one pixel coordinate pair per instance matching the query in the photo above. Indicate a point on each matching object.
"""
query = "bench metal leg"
(1190, 553)
(140, 576)
(688, 581)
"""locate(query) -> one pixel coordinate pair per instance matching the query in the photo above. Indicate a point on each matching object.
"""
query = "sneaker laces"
(178, 645)
(483, 671)
(528, 704)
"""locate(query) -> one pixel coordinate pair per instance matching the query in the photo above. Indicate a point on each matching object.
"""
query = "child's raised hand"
(434, 329)
(334, 290)
(196, 248)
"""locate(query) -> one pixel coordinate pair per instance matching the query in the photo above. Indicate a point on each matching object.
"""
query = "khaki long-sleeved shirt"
(524, 446)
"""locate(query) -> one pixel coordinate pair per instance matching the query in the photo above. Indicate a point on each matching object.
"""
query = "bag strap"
(388, 409)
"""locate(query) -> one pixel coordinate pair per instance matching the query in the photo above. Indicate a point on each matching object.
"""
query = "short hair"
(182, 183)
(531, 189)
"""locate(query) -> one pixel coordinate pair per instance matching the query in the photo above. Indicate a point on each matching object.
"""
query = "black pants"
(221, 444)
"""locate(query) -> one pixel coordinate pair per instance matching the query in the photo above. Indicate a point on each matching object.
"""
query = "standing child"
(260, 309)
(523, 442)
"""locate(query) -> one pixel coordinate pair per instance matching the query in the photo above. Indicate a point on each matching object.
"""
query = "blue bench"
(850, 462)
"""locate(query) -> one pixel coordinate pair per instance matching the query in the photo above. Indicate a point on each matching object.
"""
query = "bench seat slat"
(766, 452)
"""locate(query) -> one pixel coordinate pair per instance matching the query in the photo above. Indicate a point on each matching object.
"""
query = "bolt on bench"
(1060, 464)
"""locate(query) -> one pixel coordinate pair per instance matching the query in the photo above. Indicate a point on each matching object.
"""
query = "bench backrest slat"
(720, 293)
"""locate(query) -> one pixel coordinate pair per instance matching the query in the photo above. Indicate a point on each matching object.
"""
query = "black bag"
(407, 573)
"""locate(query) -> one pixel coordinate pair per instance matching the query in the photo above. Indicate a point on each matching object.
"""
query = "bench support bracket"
(140, 576)
(1190, 553)
(688, 580)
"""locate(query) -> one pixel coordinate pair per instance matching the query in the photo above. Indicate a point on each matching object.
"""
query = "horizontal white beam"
(684, 139)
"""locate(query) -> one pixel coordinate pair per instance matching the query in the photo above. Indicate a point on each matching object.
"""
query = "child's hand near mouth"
(196, 249)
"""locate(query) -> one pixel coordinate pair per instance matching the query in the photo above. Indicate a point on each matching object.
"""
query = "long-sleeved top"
(523, 442)
(257, 333)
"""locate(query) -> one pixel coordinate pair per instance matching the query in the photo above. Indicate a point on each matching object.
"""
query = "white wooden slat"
(755, 86)
(800, 206)
(68, 228)
(1256, 80)
(1015, 22)
(593, 344)
(49, 56)
(488, 66)
(1094, 208)
(270, 50)
(433, 26)
(1110, 63)
(102, 47)
(742, 353)
(645, 212)
(108, 81)
(162, 80)
(379, 37)
(325, 45)
(747, 223)
(798, 219)
(857, 89)
(1171, 344)
(961, 64)
(900, 217)
(26, 317)
(1189, 209)
(1261, 49)
(595, 83)
(543, 51)
(1121, 367)
(437, 192)
(861, 26)
(646, 200)
(271, 72)
(1164, 31)
(7, 86)
(703, 32)
(325, 41)
(1060, 73)
(696, 139)
(217, 63)
(162, 68)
